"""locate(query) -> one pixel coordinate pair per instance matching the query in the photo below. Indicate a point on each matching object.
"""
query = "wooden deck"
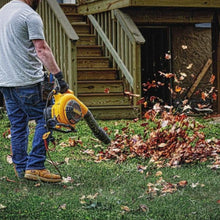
(95, 6)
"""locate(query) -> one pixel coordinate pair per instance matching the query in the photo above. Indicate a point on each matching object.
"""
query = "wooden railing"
(122, 42)
(83, 2)
(2, 2)
(61, 37)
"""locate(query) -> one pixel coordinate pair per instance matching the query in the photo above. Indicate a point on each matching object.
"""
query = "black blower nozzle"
(97, 131)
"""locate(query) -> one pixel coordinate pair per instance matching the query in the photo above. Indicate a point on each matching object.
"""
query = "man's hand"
(62, 84)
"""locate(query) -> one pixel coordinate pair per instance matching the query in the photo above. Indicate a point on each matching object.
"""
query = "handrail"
(3, 2)
(62, 39)
(129, 27)
(122, 34)
(112, 50)
(64, 22)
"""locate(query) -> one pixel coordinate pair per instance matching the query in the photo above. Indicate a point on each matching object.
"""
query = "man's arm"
(46, 56)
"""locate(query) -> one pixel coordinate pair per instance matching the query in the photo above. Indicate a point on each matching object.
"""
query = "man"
(23, 52)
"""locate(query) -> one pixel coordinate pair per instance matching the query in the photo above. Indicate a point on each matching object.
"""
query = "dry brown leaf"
(9, 159)
(182, 183)
(158, 173)
(67, 180)
(204, 95)
(131, 94)
(185, 101)
(92, 196)
(63, 144)
(193, 185)
(167, 56)
(107, 90)
(67, 160)
(162, 145)
(144, 208)
(141, 168)
(178, 89)
(184, 47)
(63, 207)
(7, 134)
(2, 206)
(212, 79)
(125, 208)
(214, 96)
(189, 66)
(89, 151)
(167, 75)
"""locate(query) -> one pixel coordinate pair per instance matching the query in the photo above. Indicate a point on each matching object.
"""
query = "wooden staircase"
(99, 86)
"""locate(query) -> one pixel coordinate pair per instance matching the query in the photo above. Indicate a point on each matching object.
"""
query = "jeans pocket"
(30, 96)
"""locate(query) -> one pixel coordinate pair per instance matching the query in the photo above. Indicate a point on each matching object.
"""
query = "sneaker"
(43, 175)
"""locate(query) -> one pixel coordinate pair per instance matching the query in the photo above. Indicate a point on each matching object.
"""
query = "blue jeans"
(24, 104)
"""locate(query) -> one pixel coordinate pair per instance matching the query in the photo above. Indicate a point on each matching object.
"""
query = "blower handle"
(97, 131)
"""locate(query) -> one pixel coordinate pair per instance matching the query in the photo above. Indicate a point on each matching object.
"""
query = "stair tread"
(99, 81)
(68, 4)
(83, 23)
(72, 13)
(86, 35)
(85, 46)
(96, 68)
(101, 57)
(101, 94)
(112, 107)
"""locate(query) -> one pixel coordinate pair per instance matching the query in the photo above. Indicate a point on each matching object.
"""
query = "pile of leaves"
(172, 141)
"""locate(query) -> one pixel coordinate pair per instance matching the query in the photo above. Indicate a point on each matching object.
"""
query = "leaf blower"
(66, 111)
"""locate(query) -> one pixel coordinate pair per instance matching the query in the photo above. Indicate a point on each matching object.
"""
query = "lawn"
(109, 189)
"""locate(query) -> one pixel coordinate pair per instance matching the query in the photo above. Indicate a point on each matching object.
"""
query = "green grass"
(106, 190)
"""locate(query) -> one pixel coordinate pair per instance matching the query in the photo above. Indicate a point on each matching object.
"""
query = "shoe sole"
(34, 177)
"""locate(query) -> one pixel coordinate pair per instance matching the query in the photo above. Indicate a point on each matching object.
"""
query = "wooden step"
(86, 39)
(97, 74)
(103, 99)
(69, 8)
(81, 27)
(89, 62)
(104, 86)
(89, 50)
(74, 17)
(115, 112)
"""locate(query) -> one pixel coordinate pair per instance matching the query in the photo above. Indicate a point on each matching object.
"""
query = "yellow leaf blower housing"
(66, 111)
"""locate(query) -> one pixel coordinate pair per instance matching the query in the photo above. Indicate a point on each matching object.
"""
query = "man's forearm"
(50, 63)
(46, 56)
